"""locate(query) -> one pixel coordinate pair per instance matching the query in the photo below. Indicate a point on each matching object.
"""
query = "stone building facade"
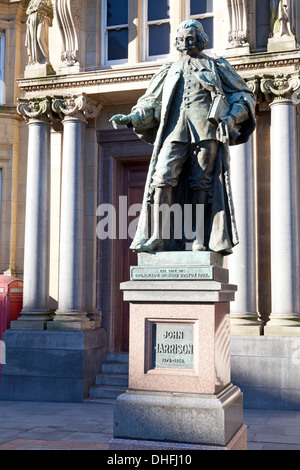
(61, 162)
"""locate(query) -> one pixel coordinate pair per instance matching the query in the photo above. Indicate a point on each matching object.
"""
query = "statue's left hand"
(225, 127)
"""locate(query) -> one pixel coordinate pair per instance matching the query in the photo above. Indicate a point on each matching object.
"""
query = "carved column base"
(71, 321)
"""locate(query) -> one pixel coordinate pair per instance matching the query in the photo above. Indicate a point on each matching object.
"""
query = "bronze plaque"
(173, 345)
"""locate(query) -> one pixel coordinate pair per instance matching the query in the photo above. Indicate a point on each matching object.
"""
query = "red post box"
(11, 301)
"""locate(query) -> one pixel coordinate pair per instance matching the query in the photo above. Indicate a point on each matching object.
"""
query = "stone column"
(71, 304)
(242, 263)
(284, 206)
(35, 311)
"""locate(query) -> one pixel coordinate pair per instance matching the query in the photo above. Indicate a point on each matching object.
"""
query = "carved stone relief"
(69, 19)
(239, 24)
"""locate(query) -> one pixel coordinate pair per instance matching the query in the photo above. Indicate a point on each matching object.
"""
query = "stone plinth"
(38, 70)
(282, 43)
(180, 388)
(58, 366)
(179, 347)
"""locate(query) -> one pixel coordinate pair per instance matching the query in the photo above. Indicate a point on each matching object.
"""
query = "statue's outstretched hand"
(120, 119)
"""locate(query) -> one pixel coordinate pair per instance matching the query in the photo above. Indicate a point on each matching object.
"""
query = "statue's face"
(186, 41)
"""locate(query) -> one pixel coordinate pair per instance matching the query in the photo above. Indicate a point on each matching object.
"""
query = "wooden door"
(134, 178)
(123, 165)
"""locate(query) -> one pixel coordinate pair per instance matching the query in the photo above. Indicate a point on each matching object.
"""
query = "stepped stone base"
(113, 380)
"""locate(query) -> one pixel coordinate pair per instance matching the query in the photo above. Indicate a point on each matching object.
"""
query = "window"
(2, 64)
(158, 29)
(115, 14)
(263, 27)
(203, 10)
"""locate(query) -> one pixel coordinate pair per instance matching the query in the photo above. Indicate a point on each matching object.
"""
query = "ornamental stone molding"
(238, 22)
(282, 87)
(68, 14)
(76, 107)
(253, 85)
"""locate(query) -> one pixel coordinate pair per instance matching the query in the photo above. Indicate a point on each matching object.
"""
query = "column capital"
(281, 88)
(35, 109)
(253, 85)
(78, 107)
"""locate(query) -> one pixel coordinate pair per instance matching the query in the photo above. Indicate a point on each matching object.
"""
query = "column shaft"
(71, 304)
(284, 215)
(71, 312)
(37, 227)
(242, 263)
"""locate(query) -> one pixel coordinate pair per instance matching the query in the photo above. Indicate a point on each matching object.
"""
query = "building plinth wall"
(266, 368)
(57, 366)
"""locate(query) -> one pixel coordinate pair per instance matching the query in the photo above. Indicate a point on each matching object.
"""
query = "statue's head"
(191, 38)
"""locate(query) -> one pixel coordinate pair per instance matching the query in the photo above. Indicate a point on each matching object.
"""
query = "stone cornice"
(130, 77)
(95, 78)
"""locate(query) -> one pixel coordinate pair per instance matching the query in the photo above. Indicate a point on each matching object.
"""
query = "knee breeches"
(173, 156)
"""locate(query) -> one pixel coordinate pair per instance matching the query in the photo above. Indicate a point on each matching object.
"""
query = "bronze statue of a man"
(190, 161)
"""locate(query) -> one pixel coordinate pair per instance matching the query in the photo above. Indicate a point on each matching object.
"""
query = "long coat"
(150, 119)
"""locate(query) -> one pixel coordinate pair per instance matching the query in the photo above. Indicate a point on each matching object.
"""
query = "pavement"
(89, 426)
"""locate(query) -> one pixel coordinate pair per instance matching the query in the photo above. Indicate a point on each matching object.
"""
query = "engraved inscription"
(190, 273)
(173, 345)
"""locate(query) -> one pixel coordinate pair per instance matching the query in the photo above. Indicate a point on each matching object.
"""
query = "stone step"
(118, 357)
(109, 392)
(112, 379)
(114, 368)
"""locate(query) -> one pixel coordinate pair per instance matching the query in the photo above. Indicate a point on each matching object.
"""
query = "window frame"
(2, 67)
(146, 43)
(203, 16)
(105, 29)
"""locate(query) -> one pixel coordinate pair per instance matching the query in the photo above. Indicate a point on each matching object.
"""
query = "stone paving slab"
(89, 425)
(26, 444)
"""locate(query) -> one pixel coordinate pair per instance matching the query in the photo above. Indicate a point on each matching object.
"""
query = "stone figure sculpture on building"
(40, 18)
(280, 11)
(190, 160)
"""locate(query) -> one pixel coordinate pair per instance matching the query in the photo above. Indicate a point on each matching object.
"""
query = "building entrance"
(123, 165)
